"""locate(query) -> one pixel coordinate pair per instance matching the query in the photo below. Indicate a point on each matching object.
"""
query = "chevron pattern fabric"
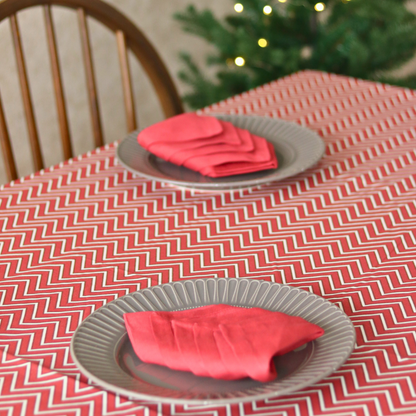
(81, 234)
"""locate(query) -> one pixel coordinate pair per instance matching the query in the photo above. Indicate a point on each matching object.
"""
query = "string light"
(306, 52)
(238, 7)
(320, 7)
(282, 1)
(267, 9)
(240, 61)
(262, 43)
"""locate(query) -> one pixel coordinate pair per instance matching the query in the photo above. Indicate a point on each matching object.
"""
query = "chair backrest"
(128, 37)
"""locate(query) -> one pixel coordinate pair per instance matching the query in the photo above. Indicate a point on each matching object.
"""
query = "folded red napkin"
(219, 341)
(207, 145)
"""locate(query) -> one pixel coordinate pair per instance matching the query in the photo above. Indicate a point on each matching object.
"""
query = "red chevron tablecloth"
(87, 231)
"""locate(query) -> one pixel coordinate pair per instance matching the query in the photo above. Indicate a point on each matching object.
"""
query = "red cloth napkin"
(219, 341)
(207, 145)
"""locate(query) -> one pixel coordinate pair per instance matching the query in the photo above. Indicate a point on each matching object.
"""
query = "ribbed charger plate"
(297, 149)
(102, 350)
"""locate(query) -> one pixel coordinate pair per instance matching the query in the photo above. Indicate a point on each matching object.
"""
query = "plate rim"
(229, 186)
(132, 395)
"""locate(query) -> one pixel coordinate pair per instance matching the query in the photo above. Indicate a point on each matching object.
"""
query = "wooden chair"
(128, 37)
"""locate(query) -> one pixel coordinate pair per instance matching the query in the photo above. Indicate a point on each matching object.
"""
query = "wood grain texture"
(6, 147)
(90, 79)
(27, 99)
(126, 81)
(57, 84)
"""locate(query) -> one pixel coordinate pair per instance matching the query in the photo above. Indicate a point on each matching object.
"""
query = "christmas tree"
(265, 40)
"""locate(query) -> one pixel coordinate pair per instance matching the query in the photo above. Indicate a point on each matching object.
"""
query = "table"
(85, 232)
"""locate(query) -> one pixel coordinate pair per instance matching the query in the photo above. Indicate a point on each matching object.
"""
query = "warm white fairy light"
(239, 61)
(306, 52)
(267, 9)
(282, 1)
(238, 7)
(262, 42)
(320, 7)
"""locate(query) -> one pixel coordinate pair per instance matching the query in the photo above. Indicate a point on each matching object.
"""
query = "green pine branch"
(358, 38)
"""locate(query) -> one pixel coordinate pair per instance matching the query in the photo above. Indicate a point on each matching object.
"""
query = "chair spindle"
(57, 84)
(27, 100)
(126, 80)
(89, 71)
(9, 163)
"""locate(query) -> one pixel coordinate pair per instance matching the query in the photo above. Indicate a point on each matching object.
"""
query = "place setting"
(221, 152)
(213, 341)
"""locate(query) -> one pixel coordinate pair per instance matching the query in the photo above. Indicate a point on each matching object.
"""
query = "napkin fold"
(218, 341)
(208, 145)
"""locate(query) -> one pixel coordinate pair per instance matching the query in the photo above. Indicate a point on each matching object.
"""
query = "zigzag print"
(81, 234)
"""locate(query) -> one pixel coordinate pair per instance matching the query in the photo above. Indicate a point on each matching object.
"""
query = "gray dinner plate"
(297, 149)
(101, 348)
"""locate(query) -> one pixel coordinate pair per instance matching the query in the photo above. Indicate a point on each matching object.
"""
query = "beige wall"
(154, 17)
